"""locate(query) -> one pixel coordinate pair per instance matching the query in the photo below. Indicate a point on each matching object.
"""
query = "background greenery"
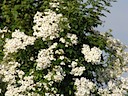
(82, 17)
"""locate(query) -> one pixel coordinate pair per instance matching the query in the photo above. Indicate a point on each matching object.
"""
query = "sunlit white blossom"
(77, 71)
(91, 54)
(59, 76)
(45, 56)
(83, 87)
(19, 40)
(47, 26)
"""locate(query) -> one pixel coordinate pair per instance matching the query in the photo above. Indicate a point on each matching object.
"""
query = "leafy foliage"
(58, 63)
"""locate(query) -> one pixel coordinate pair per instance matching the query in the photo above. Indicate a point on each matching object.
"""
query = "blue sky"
(117, 20)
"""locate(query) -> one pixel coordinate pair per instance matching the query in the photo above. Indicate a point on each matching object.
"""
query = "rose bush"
(55, 51)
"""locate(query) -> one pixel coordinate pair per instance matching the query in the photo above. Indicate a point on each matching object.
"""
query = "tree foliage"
(50, 48)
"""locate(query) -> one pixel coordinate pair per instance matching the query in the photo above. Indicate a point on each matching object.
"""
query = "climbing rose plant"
(64, 55)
